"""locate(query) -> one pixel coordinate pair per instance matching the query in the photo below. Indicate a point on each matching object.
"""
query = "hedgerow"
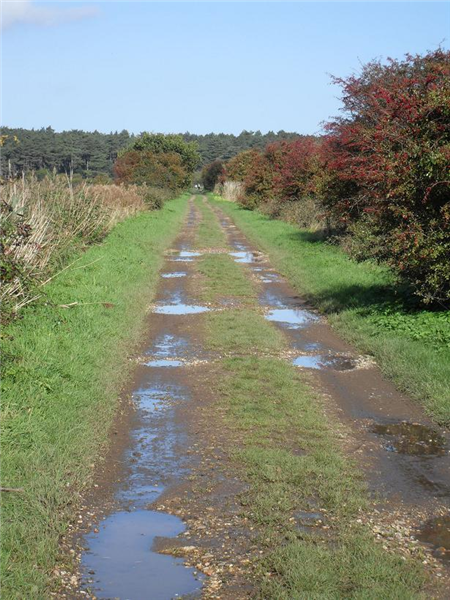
(379, 177)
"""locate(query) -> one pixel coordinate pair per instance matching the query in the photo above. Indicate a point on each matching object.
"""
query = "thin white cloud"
(14, 12)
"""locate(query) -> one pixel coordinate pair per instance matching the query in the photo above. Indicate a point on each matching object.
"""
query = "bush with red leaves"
(381, 172)
(388, 165)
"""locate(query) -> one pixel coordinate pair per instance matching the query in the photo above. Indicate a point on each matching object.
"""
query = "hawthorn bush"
(388, 158)
(379, 177)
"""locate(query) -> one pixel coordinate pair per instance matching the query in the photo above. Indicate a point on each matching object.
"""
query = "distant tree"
(211, 174)
(158, 143)
(239, 166)
(91, 153)
(162, 170)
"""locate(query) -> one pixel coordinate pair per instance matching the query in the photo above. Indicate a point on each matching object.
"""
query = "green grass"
(209, 234)
(364, 304)
(292, 462)
(243, 330)
(224, 279)
(62, 374)
(289, 454)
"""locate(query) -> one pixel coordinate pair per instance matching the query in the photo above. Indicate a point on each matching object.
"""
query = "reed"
(44, 222)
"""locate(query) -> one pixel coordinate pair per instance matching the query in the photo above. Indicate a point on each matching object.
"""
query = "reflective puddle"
(411, 438)
(119, 561)
(179, 259)
(180, 309)
(271, 277)
(168, 345)
(188, 254)
(176, 305)
(174, 274)
(269, 298)
(125, 567)
(184, 256)
(436, 532)
(245, 256)
(164, 362)
(291, 317)
(337, 363)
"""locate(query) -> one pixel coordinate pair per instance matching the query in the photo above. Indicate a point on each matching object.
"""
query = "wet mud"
(436, 534)
(119, 558)
(404, 456)
(412, 438)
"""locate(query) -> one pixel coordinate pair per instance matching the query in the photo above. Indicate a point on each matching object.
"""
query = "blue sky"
(199, 67)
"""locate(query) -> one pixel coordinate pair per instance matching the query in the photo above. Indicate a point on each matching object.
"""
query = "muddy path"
(165, 518)
(404, 455)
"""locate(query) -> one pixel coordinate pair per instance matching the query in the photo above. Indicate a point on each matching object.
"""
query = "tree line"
(93, 154)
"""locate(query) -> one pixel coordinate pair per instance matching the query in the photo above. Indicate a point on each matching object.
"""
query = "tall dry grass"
(230, 190)
(43, 222)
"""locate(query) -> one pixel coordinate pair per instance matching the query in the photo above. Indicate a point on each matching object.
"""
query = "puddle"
(245, 257)
(119, 560)
(179, 259)
(411, 438)
(152, 456)
(270, 278)
(269, 298)
(168, 345)
(308, 346)
(164, 362)
(436, 532)
(308, 517)
(338, 363)
(174, 274)
(180, 309)
(123, 562)
(291, 317)
(309, 522)
(188, 254)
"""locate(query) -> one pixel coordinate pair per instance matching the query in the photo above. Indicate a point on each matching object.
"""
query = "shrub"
(212, 174)
(380, 176)
(160, 161)
(389, 161)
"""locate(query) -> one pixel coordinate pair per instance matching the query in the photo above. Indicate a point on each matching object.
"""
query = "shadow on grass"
(366, 298)
(310, 237)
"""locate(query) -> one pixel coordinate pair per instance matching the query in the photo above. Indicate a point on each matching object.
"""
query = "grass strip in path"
(293, 465)
(209, 234)
(62, 374)
(224, 279)
(411, 347)
(289, 455)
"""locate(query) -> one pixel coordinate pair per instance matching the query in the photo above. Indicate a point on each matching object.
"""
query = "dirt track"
(170, 481)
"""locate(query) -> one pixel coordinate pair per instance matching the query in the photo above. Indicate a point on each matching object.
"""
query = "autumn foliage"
(380, 176)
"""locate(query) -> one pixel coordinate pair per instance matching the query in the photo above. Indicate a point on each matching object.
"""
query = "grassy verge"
(63, 370)
(411, 346)
(290, 456)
